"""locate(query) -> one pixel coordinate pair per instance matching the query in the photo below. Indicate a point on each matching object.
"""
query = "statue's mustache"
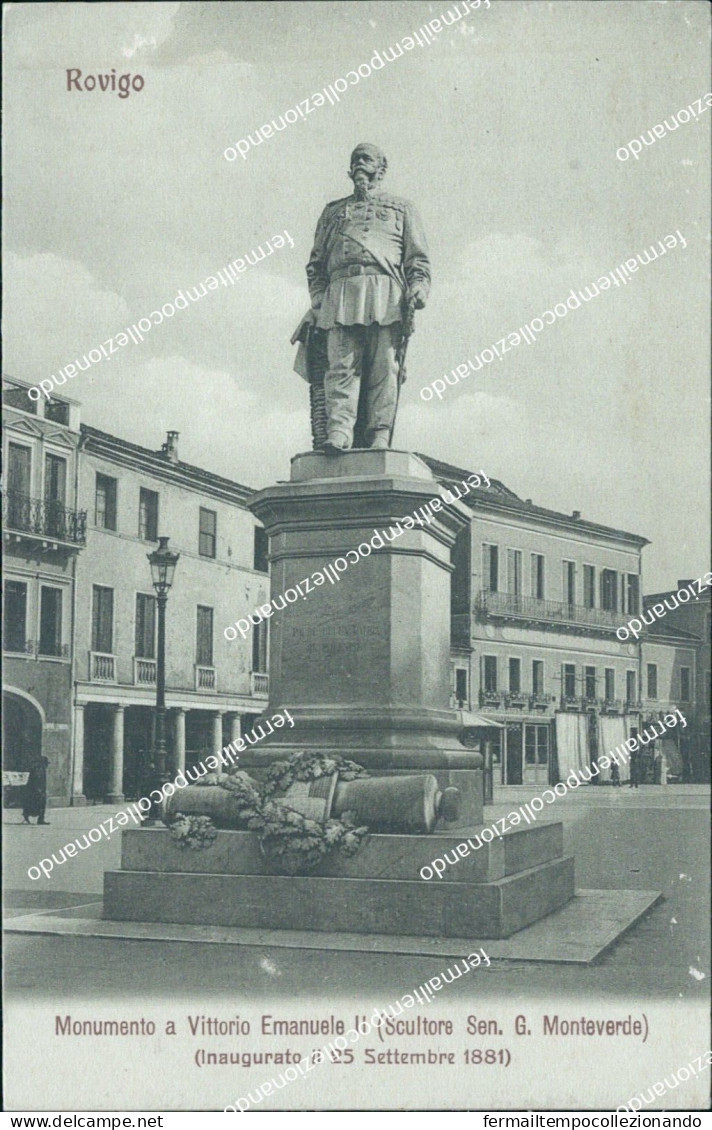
(363, 182)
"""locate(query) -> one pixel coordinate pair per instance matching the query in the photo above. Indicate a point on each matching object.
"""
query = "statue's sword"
(408, 329)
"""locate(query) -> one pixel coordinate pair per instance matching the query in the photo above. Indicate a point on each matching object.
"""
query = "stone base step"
(580, 933)
(357, 905)
(379, 857)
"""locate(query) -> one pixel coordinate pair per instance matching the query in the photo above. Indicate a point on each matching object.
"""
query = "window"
(610, 684)
(259, 648)
(55, 485)
(538, 677)
(19, 475)
(589, 586)
(102, 619)
(538, 576)
(652, 680)
(490, 568)
(19, 464)
(148, 515)
(569, 583)
(105, 503)
(55, 491)
(207, 533)
(632, 592)
(18, 398)
(609, 590)
(145, 642)
(50, 621)
(630, 686)
(14, 619)
(261, 547)
(685, 684)
(515, 676)
(57, 411)
(461, 686)
(569, 680)
(490, 672)
(589, 683)
(204, 637)
(514, 572)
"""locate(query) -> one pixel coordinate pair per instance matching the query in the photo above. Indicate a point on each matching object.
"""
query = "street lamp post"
(163, 563)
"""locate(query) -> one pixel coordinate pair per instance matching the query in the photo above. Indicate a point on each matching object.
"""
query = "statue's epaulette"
(336, 203)
(398, 202)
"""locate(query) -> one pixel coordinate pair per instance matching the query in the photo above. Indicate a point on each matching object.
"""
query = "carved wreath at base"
(293, 843)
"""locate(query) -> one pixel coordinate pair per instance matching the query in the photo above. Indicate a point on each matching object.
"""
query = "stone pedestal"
(361, 658)
(508, 884)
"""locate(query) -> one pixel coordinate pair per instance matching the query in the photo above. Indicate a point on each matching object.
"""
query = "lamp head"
(163, 563)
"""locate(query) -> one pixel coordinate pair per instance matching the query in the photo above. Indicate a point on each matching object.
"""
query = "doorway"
(536, 754)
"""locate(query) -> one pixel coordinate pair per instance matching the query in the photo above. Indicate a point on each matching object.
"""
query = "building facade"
(44, 534)
(213, 687)
(82, 510)
(691, 621)
(537, 597)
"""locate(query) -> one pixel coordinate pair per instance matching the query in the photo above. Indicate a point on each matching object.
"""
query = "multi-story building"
(213, 686)
(537, 597)
(82, 510)
(44, 533)
(691, 622)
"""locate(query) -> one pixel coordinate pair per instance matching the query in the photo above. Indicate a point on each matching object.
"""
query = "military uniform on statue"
(368, 271)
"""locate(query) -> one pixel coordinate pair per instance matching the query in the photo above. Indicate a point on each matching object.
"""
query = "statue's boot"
(336, 444)
(380, 441)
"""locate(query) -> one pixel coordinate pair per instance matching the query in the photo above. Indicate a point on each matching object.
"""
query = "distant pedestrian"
(615, 775)
(35, 798)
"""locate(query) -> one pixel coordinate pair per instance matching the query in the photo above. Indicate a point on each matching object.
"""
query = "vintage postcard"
(356, 595)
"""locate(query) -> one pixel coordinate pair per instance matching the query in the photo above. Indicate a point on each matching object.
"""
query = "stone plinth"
(362, 660)
(503, 887)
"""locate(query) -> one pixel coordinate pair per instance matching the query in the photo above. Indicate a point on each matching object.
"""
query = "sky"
(504, 134)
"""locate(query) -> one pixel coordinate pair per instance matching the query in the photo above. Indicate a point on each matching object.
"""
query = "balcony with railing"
(610, 705)
(516, 701)
(583, 704)
(41, 519)
(528, 609)
(102, 667)
(259, 685)
(492, 699)
(205, 678)
(540, 701)
(144, 672)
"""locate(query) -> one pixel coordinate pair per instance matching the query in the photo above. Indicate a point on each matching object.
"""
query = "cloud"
(115, 31)
(54, 310)
(168, 393)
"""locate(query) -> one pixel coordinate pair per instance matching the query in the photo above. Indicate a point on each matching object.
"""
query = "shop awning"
(470, 721)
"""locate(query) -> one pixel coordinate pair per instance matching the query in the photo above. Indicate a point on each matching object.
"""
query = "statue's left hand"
(416, 295)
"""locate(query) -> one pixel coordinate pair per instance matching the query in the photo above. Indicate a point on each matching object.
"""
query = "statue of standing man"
(368, 271)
